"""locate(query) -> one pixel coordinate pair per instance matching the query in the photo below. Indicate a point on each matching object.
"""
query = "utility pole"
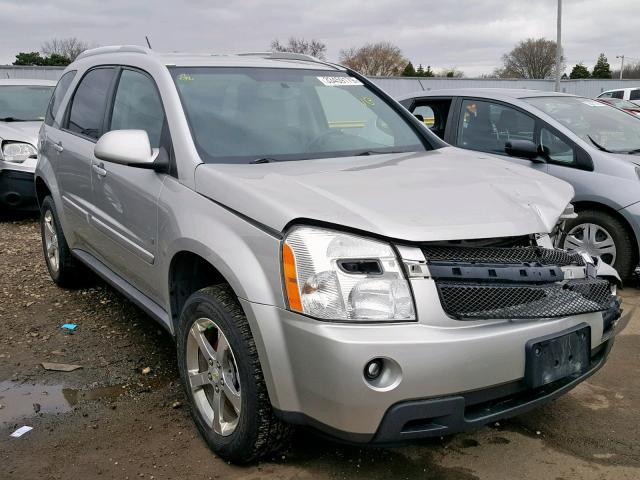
(621, 57)
(559, 47)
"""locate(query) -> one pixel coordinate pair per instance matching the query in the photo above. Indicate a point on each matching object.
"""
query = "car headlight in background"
(331, 275)
(18, 152)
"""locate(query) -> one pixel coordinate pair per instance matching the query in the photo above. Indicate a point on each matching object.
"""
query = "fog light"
(373, 369)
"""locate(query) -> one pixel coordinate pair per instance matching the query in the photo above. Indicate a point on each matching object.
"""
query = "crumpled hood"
(444, 194)
(20, 131)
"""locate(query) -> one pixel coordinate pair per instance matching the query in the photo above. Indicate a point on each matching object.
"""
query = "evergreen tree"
(420, 71)
(579, 71)
(409, 71)
(428, 72)
(602, 68)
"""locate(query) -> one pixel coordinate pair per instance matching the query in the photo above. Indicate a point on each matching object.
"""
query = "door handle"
(99, 170)
(58, 147)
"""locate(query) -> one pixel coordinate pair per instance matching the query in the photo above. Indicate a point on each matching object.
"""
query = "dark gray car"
(593, 146)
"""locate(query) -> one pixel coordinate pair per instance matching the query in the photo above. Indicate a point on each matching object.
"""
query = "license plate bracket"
(557, 356)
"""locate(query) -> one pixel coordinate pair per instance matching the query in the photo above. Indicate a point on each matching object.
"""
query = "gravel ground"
(111, 420)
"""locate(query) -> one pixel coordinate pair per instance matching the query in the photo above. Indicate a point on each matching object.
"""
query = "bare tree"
(531, 58)
(312, 47)
(375, 59)
(69, 47)
(631, 70)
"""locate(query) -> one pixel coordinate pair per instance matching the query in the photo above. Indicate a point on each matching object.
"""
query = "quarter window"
(555, 148)
(58, 94)
(487, 126)
(89, 100)
(137, 106)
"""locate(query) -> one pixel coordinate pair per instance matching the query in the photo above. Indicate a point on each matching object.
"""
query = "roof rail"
(287, 56)
(113, 49)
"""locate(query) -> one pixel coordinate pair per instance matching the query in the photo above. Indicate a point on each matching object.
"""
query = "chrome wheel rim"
(51, 242)
(213, 376)
(593, 239)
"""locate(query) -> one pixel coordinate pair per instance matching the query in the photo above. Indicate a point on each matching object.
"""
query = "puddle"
(20, 400)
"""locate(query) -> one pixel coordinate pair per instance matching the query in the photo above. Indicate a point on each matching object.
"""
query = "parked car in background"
(593, 146)
(631, 94)
(321, 258)
(625, 105)
(22, 107)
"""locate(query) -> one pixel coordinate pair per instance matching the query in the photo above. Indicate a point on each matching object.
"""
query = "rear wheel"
(602, 235)
(223, 379)
(65, 270)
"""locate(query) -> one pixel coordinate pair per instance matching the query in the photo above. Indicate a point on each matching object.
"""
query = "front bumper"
(17, 190)
(314, 370)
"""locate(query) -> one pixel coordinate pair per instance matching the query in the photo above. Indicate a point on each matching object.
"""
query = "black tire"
(70, 272)
(626, 248)
(258, 432)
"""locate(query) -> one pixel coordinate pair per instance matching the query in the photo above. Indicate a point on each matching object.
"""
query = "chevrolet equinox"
(321, 258)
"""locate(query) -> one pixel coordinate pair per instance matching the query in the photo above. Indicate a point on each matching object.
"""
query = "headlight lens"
(18, 152)
(337, 276)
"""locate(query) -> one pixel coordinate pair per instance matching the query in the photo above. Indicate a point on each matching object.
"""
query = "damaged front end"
(518, 279)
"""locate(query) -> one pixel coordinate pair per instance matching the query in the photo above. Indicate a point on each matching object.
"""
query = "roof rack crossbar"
(287, 56)
(113, 49)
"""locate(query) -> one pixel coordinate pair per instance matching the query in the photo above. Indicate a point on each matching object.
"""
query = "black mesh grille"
(513, 255)
(481, 301)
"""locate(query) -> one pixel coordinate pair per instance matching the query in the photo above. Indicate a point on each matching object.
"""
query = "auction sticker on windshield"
(339, 81)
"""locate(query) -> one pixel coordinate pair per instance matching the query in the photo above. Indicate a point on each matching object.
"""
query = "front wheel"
(604, 236)
(222, 376)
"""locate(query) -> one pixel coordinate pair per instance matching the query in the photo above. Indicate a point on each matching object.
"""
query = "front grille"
(471, 301)
(501, 255)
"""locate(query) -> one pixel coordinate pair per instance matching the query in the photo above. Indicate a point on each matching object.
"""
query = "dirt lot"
(109, 420)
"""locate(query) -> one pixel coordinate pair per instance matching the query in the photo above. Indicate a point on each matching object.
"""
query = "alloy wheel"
(213, 376)
(51, 241)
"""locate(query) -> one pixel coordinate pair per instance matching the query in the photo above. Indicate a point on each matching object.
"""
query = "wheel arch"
(42, 190)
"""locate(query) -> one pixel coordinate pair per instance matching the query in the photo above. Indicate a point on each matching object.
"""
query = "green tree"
(420, 71)
(602, 69)
(428, 72)
(409, 71)
(579, 71)
(29, 58)
(35, 59)
(57, 60)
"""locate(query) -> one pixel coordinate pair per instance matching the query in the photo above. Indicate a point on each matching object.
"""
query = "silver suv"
(321, 258)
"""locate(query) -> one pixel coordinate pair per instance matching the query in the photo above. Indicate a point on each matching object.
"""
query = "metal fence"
(397, 86)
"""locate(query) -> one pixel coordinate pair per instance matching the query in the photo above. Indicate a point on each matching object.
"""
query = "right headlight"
(18, 152)
(331, 275)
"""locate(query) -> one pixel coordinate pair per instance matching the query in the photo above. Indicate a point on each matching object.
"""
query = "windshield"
(595, 122)
(24, 102)
(243, 115)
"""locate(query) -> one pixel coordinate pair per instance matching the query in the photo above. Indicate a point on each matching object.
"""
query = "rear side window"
(634, 94)
(137, 106)
(89, 101)
(58, 94)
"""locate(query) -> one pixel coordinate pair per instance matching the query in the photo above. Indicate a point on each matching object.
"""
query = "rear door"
(487, 125)
(71, 150)
(125, 216)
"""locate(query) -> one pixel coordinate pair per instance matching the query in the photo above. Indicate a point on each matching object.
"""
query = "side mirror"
(524, 149)
(126, 147)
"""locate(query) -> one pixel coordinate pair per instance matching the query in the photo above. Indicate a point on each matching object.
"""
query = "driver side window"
(556, 149)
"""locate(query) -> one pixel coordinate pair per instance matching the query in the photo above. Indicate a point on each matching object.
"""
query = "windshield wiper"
(598, 146)
(376, 152)
(634, 151)
(264, 160)
(12, 119)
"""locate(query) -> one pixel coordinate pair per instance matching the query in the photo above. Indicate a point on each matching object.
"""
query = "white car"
(22, 109)
(631, 94)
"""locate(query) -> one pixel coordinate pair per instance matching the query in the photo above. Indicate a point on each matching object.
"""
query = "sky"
(470, 35)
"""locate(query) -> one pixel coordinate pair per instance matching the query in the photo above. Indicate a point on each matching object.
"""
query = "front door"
(125, 198)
